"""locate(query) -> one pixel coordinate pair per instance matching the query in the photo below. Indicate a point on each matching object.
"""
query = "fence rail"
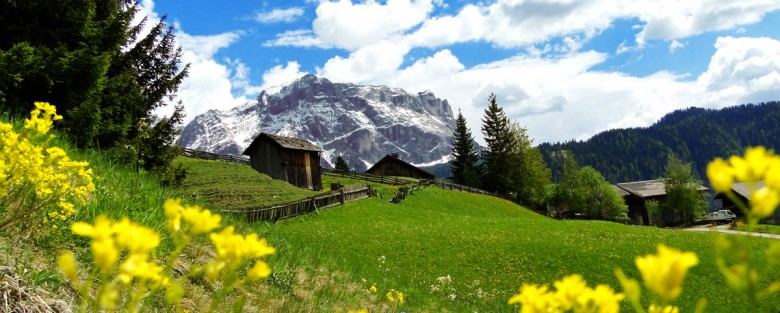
(213, 156)
(447, 185)
(403, 191)
(388, 180)
(277, 212)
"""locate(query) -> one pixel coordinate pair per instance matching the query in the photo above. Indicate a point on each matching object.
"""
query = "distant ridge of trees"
(694, 135)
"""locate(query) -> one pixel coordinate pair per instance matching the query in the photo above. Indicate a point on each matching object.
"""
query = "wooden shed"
(742, 192)
(638, 193)
(391, 165)
(293, 160)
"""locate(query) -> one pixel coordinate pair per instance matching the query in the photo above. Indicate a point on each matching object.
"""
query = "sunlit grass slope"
(487, 247)
(229, 186)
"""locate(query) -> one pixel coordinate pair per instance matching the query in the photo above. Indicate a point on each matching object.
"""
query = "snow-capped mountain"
(361, 123)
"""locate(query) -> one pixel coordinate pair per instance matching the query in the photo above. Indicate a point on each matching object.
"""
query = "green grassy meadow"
(447, 251)
(487, 247)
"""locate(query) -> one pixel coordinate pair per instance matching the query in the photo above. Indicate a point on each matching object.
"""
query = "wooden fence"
(213, 156)
(277, 212)
(404, 191)
(447, 185)
(388, 180)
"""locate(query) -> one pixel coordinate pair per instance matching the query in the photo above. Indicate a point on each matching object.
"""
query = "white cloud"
(669, 19)
(288, 15)
(381, 59)
(296, 38)
(351, 26)
(281, 75)
(210, 84)
(675, 45)
(562, 98)
(742, 70)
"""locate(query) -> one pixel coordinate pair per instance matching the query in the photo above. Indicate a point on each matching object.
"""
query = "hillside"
(457, 252)
(695, 135)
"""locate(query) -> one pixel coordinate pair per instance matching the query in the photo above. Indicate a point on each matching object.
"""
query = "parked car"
(718, 217)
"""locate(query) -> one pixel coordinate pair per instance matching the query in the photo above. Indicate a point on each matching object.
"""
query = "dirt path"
(724, 229)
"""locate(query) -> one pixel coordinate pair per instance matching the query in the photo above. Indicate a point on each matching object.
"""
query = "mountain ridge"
(361, 123)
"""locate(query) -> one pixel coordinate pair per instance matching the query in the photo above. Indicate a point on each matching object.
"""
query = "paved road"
(724, 229)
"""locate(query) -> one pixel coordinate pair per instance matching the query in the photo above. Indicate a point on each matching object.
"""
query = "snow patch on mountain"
(360, 123)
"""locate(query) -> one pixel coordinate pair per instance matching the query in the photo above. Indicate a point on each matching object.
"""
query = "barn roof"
(649, 188)
(620, 191)
(743, 189)
(392, 158)
(285, 142)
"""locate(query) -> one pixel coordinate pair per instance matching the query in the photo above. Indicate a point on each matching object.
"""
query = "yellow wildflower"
(173, 213)
(389, 296)
(535, 298)
(630, 286)
(663, 273)
(663, 309)
(568, 289)
(721, 175)
(213, 269)
(258, 271)
(373, 288)
(105, 253)
(763, 202)
(200, 220)
(602, 299)
(400, 296)
(358, 311)
(67, 264)
(134, 237)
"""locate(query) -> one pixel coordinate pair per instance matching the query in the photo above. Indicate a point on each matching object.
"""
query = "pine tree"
(496, 131)
(464, 156)
(341, 164)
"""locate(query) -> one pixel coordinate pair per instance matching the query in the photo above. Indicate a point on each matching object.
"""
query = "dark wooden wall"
(297, 167)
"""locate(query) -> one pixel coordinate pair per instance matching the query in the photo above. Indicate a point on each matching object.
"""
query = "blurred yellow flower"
(602, 299)
(67, 264)
(534, 298)
(763, 202)
(664, 272)
(569, 289)
(663, 309)
(721, 175)
(258, 271)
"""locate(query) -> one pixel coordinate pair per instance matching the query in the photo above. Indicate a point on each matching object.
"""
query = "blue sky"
(564, 69)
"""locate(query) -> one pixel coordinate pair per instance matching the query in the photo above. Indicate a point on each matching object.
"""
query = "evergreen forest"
(694, 135)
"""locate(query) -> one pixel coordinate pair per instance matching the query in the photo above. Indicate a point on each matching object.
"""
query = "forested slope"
(694, 135)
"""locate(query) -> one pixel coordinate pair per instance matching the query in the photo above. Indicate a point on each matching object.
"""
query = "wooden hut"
(293, 160)
(742, 192)
(391, 165)
(639, 193)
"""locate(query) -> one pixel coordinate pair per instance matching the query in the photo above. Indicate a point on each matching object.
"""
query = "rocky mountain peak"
(361, 123)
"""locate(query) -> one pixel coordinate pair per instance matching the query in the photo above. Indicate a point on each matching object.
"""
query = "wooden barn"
(742, 192)
(293, 160)
(391, 165)
(638, 193)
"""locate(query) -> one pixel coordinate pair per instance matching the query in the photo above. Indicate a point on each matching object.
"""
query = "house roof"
(620, 191)
(285, 142)
(649, 188)
(743, 189)
(391, 158)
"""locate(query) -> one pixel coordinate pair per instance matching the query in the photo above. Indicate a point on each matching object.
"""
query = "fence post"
(341, 196)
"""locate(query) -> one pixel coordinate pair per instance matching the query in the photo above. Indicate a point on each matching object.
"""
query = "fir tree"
(464, 156)
(341, 164)
(499, 140)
